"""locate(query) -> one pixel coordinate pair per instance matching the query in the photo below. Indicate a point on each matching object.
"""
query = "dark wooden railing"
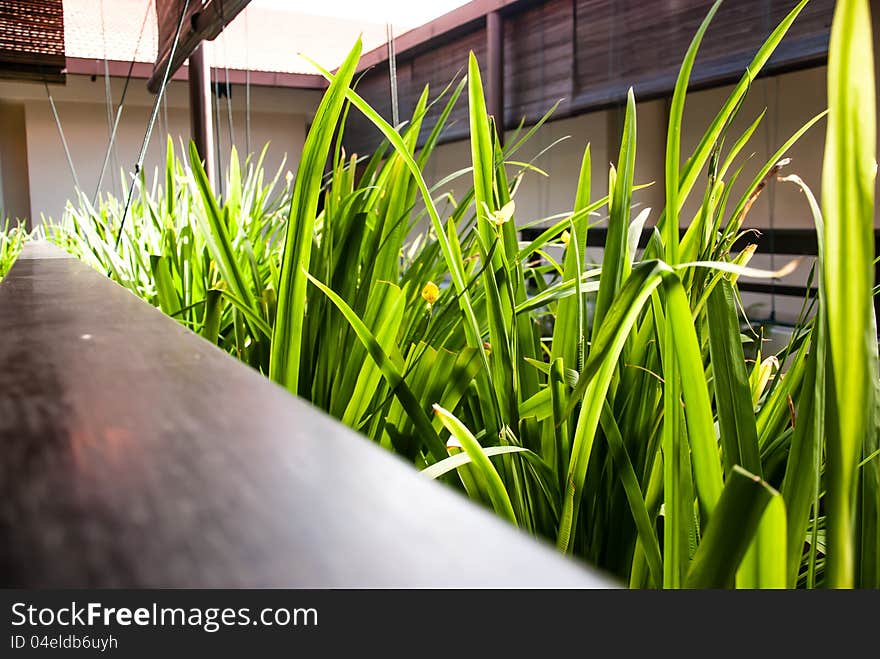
(135, 454)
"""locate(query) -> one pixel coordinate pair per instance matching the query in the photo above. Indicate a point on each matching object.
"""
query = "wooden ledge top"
(136, 454)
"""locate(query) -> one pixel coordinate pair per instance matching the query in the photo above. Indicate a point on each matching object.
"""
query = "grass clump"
(12, 238)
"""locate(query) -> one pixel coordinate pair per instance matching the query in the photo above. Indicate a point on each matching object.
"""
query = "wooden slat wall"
(589, 52)
(167, 15)
(630, 42)
(31, 38)
(204, 20)
(539, 48)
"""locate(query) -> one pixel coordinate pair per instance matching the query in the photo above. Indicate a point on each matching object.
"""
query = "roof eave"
(143, 70)
(462, 19)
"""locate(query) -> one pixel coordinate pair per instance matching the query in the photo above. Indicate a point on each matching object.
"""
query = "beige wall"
(281, 120)
(790, 99)
(557, 149)
(14, 195)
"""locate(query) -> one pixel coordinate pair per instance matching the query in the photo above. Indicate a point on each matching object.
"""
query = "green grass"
(609, 408)
(847, 271)
(212, 264)
(12, 238)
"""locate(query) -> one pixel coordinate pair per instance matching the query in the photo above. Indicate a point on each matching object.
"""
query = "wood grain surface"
(135, 454)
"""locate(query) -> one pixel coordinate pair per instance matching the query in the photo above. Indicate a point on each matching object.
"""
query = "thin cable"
(229, 109)
(63, 139)
(218, 153)
(247, 83)
(226, 78)
(165, 118)
(108, 95)
(152, 122)
(121, 106)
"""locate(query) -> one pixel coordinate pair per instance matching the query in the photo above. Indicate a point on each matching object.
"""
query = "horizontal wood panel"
(136, 454)
(31, 39)
(538, 53)
(587, 53)
(641, 44)
(202, 20)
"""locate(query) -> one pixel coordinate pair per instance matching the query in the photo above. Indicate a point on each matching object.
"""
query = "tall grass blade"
(764, 565)
(497, 492)
(733, 400)
(731, 530)
(848, 210)
(287, 335)
(615, 259)
(391, 371)
(673, 139)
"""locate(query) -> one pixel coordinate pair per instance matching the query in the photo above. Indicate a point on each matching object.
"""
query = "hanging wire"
(392, 75)
(165, 124)
(121, 106)
(108, 95)
(228, 101)
(226, 78)
(152, 122)
(218, 152)
(63, 139)
(247, 83)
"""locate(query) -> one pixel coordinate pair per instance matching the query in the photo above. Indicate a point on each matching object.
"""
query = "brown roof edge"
(458, 19)
(143, 70)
